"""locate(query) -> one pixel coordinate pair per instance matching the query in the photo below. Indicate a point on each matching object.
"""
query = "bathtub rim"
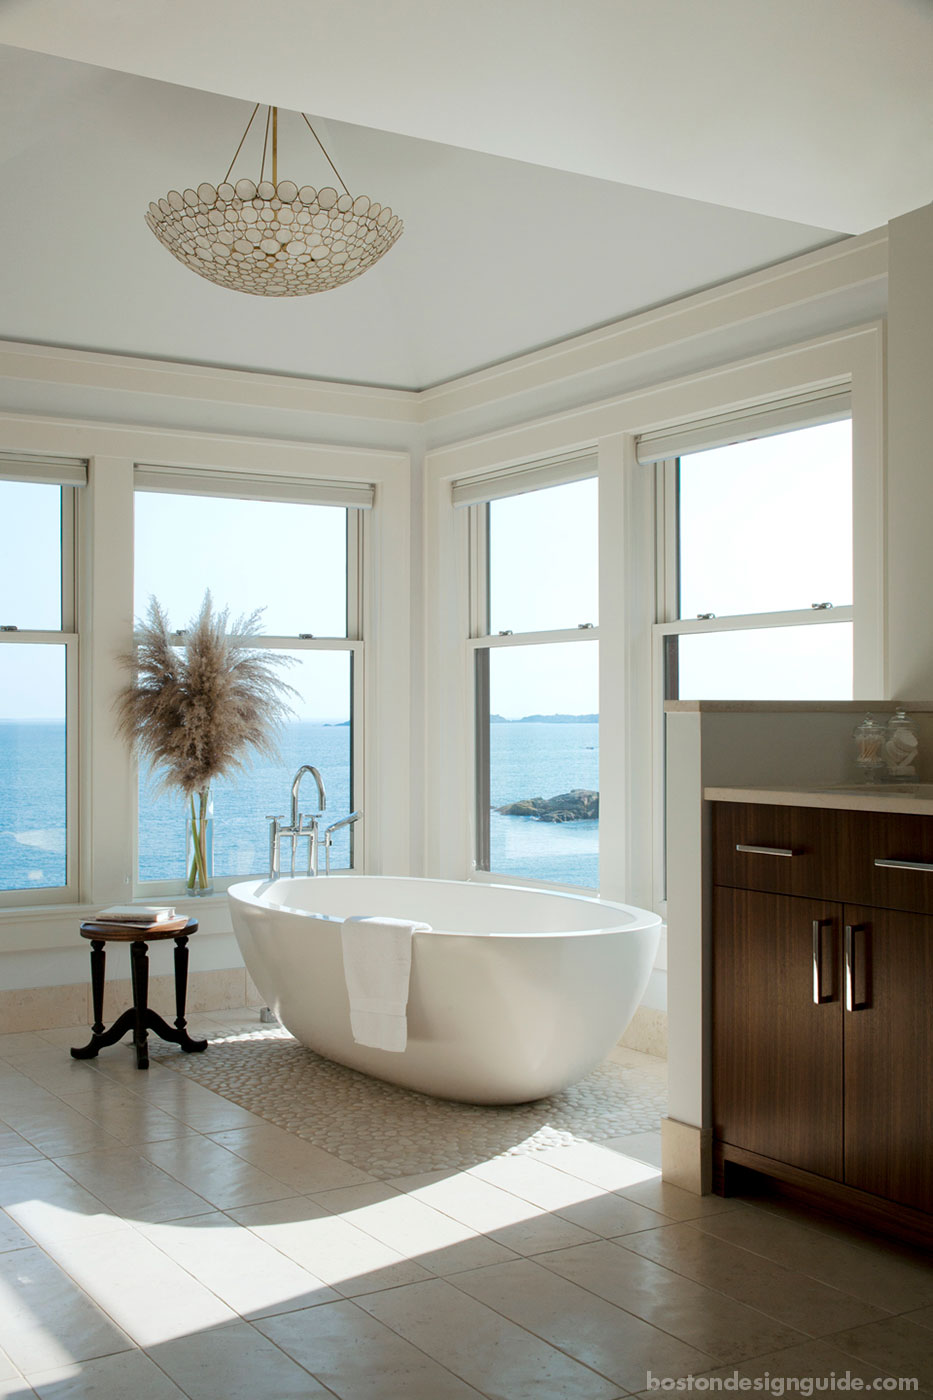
(638, 919)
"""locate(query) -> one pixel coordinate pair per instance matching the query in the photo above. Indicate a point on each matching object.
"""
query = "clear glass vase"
(199, 842)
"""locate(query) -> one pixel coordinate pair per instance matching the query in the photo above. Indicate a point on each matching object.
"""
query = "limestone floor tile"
(878, 1275)
(46, 1319)
(896, 1345)
(301, 1165)
(608, 1214)
(415, 1229)
(133, 1186)
(335, 1251)
(517, 1224)
(702, 1317)
(11, 1236)
(590, 1329)
(358, 1358)
(19, 1043)
(245, 1272)
(923, 1316)
(54, 1069)
(676, 1203)
(47, 1202)
(535, 1181)
(600, 1166)
(7, 1370)
(644, 1147)
(820, 1359)
(131, 1374)
(65, 1036)
(221, 1177)
(16, 1390)
(146, 1293)
(791, 1297)
(14, 1149)
(482, 1347)
(125, 1116)
(52, 1126)
(234, 1363)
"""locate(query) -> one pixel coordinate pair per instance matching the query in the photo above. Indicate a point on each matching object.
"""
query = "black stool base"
(127, 1022)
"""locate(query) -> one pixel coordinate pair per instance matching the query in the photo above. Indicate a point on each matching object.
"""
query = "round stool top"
(145, 933)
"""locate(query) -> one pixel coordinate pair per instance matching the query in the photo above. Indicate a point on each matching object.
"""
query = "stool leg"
(181, 980)
(98, 964)
(139, 966)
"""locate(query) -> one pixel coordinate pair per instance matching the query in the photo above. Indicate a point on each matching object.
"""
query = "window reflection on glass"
(544, 744)
(31, 559)
(773, 663)
(766, 525)
(33, 777)
(319, 733)
(544, 559)
(289, 559)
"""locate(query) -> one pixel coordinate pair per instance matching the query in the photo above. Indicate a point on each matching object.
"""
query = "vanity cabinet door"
(777, 1052)
(889, 1055)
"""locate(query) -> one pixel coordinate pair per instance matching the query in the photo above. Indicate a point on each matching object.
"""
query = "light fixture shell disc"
(273, 240)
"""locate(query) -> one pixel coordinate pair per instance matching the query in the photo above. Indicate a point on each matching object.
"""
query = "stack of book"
(147, 918)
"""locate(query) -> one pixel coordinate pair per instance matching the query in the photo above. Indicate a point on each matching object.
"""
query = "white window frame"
(70, 474)
(808, 410)
(476, 493)
(356, 499)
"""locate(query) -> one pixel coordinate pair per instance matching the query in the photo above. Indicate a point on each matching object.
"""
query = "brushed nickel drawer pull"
(903, 865)
(767, 851)
(851, 931)
(818, 926)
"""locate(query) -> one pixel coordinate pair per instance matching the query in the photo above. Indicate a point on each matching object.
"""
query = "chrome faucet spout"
(296, 785)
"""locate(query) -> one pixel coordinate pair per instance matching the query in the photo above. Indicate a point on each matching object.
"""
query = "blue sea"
(526, 760)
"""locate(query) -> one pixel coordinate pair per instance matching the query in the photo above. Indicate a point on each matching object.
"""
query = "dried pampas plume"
(198, 712)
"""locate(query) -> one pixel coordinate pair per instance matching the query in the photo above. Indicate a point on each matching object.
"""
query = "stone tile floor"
(160, 1240)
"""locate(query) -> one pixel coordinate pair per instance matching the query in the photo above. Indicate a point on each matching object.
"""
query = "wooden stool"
(139, 1018)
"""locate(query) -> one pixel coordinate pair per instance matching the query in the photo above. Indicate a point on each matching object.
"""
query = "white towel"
(377, 968)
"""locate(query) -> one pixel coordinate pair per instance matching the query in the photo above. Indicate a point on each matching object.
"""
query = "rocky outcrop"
(580, 805)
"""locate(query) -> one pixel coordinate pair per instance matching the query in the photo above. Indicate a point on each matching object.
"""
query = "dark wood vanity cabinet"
(822, 1003)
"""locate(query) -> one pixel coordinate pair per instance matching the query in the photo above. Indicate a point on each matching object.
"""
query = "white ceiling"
(558, 165)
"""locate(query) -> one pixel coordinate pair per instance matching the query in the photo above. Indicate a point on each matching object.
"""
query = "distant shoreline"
(546, 719)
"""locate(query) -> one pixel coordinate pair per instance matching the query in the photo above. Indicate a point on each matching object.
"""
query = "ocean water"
(526, 760)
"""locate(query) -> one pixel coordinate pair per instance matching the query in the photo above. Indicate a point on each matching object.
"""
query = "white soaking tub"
(515, 993)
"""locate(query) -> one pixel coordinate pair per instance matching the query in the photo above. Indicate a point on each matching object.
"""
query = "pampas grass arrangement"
(201, 711)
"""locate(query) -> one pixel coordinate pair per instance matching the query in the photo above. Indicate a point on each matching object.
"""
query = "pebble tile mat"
(387, 1131)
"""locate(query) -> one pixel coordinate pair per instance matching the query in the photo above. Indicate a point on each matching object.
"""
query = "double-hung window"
(533, 642)
(292, 548)
(38, 679)
(755, 554)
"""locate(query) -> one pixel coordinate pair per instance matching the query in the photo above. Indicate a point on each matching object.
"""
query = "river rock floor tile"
(389, 1132)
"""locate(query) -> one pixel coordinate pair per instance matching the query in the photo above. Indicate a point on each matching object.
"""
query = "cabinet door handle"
(851, 1003)
(818, 996)
(903, 865)
(765, 851)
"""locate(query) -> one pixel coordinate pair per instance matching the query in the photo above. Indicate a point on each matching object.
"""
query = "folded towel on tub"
(377, 968)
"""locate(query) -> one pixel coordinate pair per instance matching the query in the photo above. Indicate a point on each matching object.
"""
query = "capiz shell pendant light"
(272, 238)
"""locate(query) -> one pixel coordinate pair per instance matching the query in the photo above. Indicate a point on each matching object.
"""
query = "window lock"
(8, 627)
(705, 617)
(821, 607)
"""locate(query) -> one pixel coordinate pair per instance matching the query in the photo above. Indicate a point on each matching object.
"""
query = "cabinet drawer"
(905, 840)
(797, 849)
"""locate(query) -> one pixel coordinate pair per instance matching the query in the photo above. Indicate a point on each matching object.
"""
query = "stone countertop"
(915, 799)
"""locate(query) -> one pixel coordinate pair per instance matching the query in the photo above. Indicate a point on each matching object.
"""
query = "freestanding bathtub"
(515, 993)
